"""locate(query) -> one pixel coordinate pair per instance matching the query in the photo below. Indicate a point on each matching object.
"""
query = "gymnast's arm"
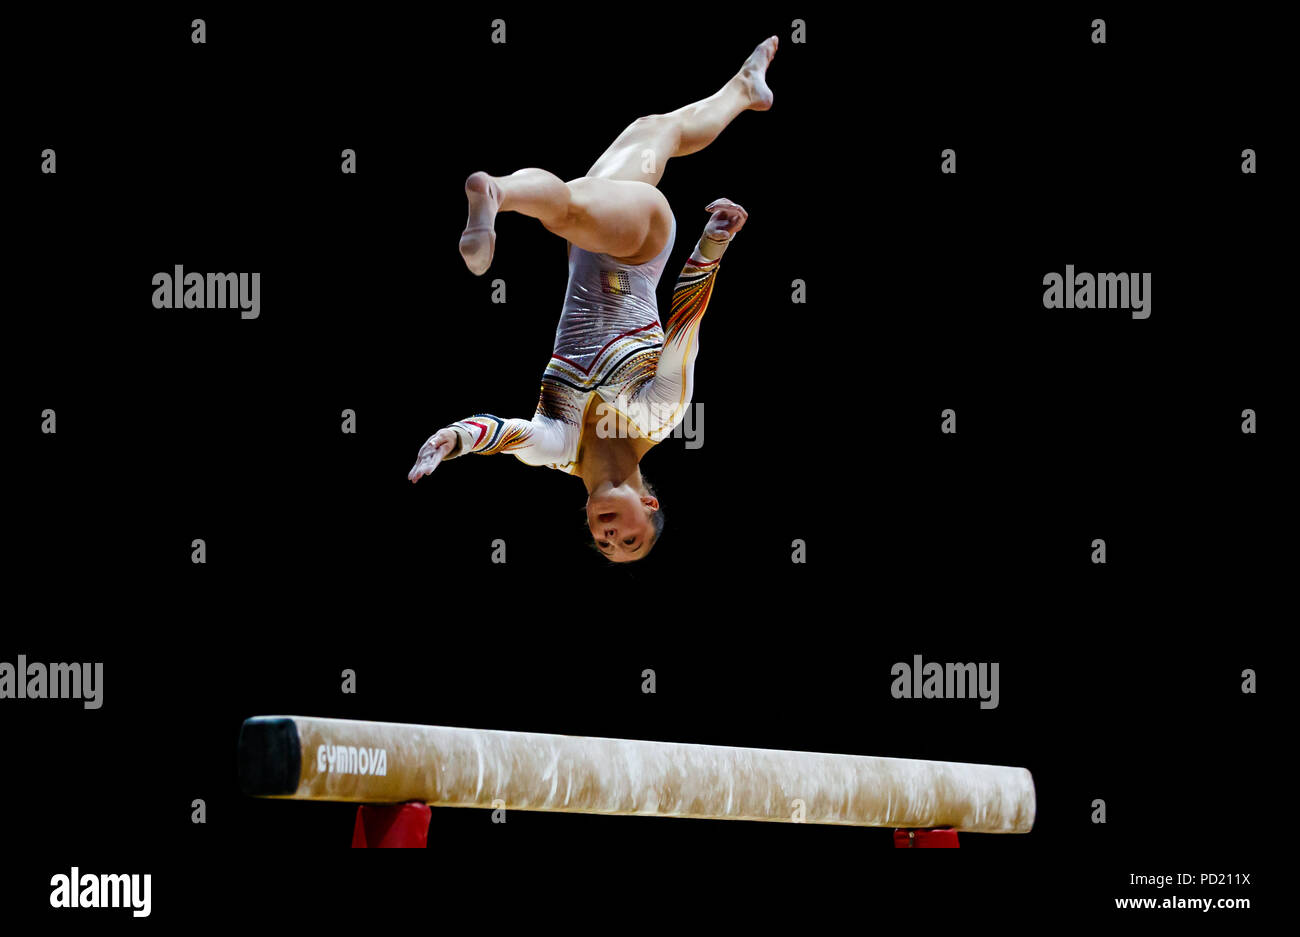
(668, 395)
(539, 441)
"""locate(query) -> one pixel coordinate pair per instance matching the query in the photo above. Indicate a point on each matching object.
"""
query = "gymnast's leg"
(609, 216)
(615, 209)
(645, 146)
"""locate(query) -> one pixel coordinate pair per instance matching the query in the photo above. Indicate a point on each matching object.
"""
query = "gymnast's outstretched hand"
(728, 218)
(431, 453)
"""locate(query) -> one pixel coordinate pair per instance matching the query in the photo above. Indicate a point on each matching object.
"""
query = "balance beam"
(304, 758)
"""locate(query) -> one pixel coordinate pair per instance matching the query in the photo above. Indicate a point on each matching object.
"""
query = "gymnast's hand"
(728, 218)
(431, 453)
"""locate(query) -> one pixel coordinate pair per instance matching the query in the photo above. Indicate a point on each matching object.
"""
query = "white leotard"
(609, 343)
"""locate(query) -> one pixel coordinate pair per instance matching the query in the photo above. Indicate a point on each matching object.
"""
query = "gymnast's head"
(625, 520)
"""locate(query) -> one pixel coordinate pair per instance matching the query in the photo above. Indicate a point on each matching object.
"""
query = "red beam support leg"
(399, 826)
(943, 837)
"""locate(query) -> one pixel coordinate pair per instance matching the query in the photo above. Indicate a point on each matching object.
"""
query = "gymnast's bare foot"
(753, 75)
(479, 241)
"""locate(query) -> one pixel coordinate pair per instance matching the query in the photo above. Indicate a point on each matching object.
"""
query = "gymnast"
(613, 362)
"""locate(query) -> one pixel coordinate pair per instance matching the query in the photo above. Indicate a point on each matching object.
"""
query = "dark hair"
(657, 518)
(656, 522)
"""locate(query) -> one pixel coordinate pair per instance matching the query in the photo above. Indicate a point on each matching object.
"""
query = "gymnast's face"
(619, 520)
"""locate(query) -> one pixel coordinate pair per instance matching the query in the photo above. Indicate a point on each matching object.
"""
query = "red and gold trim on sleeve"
(690, 297)
(489, 434)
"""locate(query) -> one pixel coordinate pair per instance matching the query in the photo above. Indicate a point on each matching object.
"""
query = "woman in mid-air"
(618, 382)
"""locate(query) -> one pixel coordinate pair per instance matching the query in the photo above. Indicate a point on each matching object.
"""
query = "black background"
(1119, 682)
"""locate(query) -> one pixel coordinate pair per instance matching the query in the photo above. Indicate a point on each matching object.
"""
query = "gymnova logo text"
(349, 759)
